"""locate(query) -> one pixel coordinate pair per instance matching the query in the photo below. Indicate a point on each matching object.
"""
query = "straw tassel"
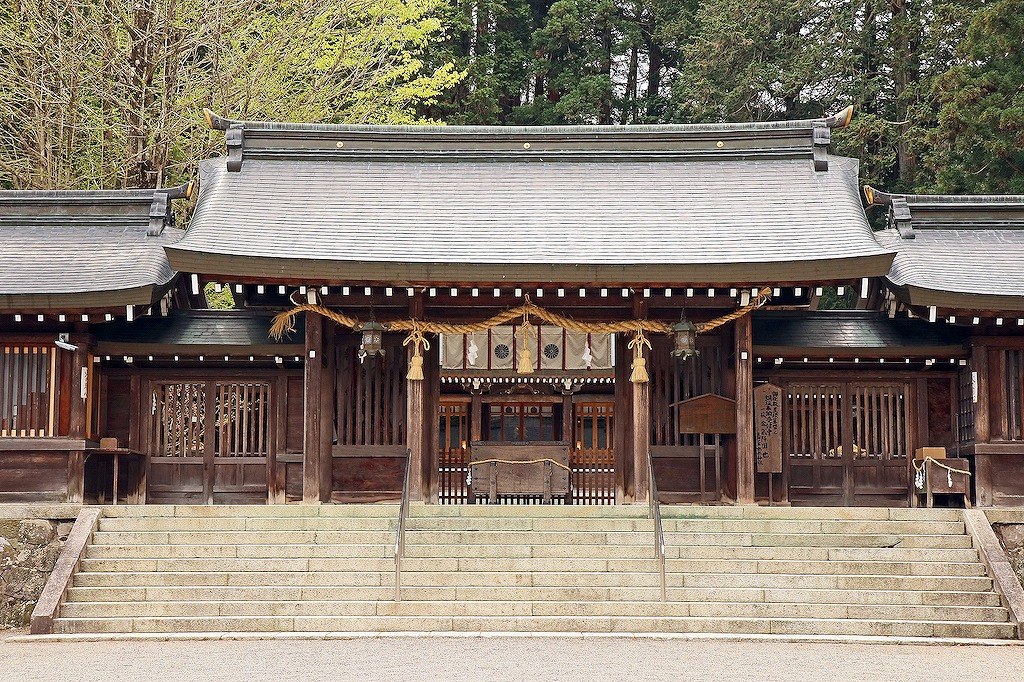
(639, 374)
(525, 362)
(418, 341)
(526, 332)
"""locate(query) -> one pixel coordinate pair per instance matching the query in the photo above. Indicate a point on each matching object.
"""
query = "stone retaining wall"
(1012, 537)
(29, 547)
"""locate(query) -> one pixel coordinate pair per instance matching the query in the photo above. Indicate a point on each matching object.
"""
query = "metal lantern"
(685, 339)
(372, 342)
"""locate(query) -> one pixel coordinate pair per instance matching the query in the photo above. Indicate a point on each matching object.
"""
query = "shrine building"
(510, 314)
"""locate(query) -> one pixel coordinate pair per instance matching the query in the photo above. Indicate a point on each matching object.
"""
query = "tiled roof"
(956, 251)
(61, 250)
(834, 332)
(680, 204)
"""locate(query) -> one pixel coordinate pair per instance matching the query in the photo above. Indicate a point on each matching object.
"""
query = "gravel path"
(501, 658)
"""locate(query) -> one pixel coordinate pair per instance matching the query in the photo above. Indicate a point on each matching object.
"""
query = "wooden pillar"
(78, 420)
(623, 429)
(567, 422)
(276, 471)
(328, 377)
(641, 420)
(415, 413)
(982, 423)
(979, 367)
(744, 412)
(432, 435)
(312, 386)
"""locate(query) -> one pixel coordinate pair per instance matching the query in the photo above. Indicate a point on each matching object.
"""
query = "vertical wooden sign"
(768, 428)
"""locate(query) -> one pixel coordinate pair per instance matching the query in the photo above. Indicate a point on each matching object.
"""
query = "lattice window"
(242, 413)
(515, 422)
(879, 421)
(814, 428)
(179, 419)
(28, 391)
(1014, 385)
(965, 406)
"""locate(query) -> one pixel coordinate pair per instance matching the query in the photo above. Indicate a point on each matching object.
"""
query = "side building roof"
(71, 250)
(714, 204)
(955, 252)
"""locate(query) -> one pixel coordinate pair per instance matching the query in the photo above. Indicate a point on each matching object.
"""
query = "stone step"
(414, 550)
(624, 624)
(390, 510)
(532, 537)
(583, 595)
(474, 524)
(137, 609)
(537, 579)
(567, 565)
(965, 555)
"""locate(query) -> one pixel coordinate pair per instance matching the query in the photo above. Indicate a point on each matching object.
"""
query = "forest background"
(109, 93)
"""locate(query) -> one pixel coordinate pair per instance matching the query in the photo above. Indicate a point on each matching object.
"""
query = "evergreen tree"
(978, 144)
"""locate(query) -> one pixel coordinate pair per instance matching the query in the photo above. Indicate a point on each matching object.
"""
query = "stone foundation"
(28, 551)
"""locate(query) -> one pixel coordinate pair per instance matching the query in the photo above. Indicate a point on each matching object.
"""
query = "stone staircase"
(739, 570)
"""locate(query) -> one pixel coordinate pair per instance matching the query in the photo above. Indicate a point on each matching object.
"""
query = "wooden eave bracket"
(821, 138)
(235, 138)
(900, 218)
(160, 215)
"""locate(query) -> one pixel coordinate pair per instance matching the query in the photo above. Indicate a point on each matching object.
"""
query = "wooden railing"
(659, 533)
(400, 531)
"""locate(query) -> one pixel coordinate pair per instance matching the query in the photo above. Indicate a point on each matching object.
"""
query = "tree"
(109, 93)
(978, 144)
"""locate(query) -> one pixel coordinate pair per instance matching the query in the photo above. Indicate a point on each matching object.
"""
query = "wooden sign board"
(708, 413)
(768, 428)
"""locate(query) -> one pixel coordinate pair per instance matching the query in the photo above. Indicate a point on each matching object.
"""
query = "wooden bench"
(519, 470)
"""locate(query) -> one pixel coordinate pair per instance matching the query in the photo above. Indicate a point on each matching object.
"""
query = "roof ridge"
(805, 138)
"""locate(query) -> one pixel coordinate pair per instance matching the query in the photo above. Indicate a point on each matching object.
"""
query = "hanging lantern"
(685, 339)
(372, 341)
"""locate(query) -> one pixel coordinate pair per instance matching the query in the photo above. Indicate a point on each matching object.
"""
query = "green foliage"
(978, 144)
(218, 300)
(109, 93)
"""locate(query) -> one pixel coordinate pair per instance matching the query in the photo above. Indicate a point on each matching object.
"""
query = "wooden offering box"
(937, 480)
(518, 473)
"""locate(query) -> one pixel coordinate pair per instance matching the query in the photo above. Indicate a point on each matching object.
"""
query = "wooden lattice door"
(847, 443)
(210, 442)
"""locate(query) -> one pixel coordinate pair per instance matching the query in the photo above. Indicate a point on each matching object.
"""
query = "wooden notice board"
(768, 428)
(708, 413)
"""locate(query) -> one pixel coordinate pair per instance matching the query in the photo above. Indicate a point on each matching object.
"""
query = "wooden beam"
(744, 412)
(312, 380)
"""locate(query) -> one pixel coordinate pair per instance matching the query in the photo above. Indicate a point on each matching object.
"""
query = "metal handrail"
(655, 513)
(400, 532)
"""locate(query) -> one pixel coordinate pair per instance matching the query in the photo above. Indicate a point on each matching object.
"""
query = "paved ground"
(447, 659)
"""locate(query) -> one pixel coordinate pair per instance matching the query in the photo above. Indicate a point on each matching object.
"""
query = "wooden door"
(210, 442)
(453, 450)
(847, 443)
(592, 458)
